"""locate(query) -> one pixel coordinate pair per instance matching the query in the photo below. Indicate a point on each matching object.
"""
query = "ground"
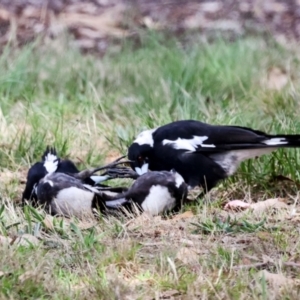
(91, 108)
(96, 25)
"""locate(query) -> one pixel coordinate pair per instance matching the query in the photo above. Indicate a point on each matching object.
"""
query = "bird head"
(139, 157)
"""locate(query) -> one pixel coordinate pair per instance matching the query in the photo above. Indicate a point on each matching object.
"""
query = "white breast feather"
(73, 202)
(188, 144)
(158, 201)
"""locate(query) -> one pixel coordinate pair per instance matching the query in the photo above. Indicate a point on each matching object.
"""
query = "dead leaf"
(5, 274)
(258, 207)
(169, 294)
(48, 222)
(187, 242)
(5, 240)
(185, 215)
(277, 280)
(263, 235)
(142, 220)
(262, 206)
(236, 205)
(151, 24)
(25, 276)
(187, 255)
(276, 79)
(107, 23)
(83, 225)
(26, 240)
(4, 15)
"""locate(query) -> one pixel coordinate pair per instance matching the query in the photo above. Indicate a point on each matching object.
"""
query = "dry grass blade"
(262, 206)
(277, 281)
(258, 207)
(251, 266)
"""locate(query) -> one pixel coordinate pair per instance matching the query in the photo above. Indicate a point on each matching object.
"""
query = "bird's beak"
(143, 169)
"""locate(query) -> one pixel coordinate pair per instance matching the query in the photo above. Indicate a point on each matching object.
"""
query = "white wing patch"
(275, 141)
(145, 137)
(189, 144)
(51, 162)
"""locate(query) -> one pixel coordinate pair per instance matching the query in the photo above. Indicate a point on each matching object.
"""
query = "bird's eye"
(140, 158)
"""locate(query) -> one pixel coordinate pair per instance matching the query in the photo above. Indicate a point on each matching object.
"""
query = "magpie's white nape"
(153, 192)
(202, 153)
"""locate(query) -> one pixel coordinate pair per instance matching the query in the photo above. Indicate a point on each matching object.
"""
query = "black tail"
(282, 141)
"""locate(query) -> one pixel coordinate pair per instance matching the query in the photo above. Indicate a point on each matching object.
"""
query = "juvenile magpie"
(202, 153)
(63, 194)
(153, 192)
(52, 163)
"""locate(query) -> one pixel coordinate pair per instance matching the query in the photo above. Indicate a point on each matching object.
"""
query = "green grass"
(91, 108)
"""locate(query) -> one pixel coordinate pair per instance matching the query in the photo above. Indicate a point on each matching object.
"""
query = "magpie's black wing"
(67, 166)
(195, 136)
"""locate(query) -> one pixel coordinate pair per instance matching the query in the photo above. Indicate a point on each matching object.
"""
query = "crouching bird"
(153, 192)
(65, 195)
(51, 163)
(70, 195)
(201, 153)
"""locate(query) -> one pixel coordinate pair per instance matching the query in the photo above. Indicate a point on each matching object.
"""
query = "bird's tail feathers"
(289, 140)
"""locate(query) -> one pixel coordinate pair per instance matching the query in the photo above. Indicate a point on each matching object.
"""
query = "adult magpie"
(202, 153)
(68, 195)
(153, 192)
(52, 163)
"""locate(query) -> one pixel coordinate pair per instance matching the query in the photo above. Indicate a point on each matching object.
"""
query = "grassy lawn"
(90, 108)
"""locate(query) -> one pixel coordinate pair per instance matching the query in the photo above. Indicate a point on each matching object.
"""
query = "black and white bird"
(65, 195)
(153, 192)
(51, 163)
(202, 153)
